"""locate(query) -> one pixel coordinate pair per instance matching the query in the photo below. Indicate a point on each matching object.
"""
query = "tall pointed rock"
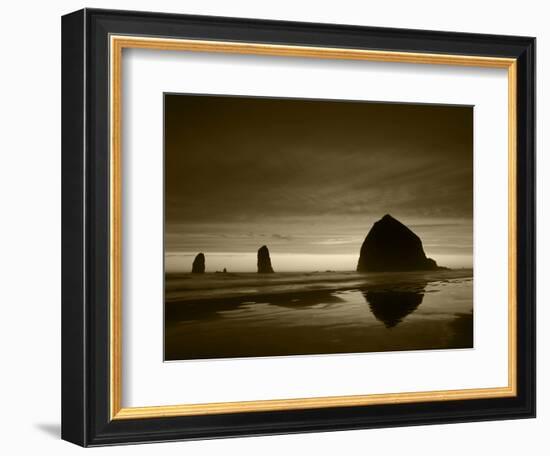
(264, 261)
(199, 264)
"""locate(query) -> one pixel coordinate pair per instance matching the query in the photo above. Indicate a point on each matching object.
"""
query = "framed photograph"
(278, 227)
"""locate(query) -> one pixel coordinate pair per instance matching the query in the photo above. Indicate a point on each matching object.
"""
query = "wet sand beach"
(234, 315)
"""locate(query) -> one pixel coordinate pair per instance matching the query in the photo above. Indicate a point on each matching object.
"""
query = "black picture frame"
(85, 224)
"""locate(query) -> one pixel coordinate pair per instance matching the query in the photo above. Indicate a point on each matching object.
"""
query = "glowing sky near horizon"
(308, 179)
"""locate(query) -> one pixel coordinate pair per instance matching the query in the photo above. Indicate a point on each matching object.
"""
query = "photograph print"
(316, 227)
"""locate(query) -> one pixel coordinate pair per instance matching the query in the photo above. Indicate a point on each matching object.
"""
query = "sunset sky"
(308, 179)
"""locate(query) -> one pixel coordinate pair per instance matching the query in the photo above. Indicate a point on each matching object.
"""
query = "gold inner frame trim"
(117, 44)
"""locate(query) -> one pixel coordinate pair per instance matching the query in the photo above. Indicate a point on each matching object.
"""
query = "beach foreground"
(227, 315)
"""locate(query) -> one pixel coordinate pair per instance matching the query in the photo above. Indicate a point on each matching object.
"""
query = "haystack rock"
(391, 246)
(264, 261)
(198, 264)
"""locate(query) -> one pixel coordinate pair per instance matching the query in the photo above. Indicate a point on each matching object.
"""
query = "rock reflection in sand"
(381, 312)
(391, 306)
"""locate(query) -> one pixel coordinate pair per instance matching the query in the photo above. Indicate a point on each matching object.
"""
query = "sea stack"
(198, 264)
(264, 261)
(391, 246)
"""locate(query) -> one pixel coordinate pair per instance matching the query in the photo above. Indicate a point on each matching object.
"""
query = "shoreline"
(181, 288)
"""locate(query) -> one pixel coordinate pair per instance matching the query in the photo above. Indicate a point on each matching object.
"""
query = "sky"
(308, 178)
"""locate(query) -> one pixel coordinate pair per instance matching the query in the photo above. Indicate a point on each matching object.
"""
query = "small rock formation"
(198, 264)
(264, 261)
(391, 246)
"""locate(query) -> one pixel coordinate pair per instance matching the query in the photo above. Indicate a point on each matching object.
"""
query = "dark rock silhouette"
(198, 264)
(392, 306)
(391, 246)
(264, 261)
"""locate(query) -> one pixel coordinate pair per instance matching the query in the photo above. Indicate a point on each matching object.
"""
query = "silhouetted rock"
(391, 246)
(198, 264)
(264, 261)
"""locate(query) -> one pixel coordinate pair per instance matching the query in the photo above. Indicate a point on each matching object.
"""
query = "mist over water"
(288, 262)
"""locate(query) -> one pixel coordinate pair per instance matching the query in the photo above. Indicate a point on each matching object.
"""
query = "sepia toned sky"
(308, 178)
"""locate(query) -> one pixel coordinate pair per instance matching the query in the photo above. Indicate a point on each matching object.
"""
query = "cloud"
(282, 237)
(337, 241)
(314, 174)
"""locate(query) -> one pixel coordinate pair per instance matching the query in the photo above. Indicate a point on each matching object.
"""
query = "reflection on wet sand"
(392, 306)
(389, 306)
(406, 313)
(215, 308)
